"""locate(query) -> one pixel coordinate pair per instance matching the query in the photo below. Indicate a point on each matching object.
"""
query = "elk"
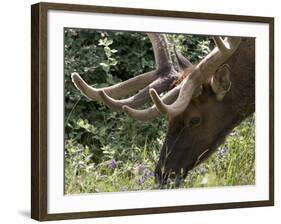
(202, 102)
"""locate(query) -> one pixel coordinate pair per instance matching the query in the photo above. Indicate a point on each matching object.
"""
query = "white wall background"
(15, 112)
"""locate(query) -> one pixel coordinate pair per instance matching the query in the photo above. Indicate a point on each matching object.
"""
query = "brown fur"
(184, 144)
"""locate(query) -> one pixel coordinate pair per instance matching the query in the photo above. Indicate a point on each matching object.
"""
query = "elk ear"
(220, 82)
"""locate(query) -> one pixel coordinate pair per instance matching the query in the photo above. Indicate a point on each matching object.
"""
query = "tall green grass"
(232, 164)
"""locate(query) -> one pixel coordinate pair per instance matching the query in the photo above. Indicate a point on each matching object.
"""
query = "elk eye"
(195, 121)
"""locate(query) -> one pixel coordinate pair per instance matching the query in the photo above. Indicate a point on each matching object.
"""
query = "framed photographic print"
(138, 111)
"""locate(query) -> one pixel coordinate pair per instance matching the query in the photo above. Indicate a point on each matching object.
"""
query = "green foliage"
(108, 151)
(194, 48)
(232, 164)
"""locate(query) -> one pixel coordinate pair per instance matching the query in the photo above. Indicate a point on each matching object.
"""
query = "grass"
(232, 164)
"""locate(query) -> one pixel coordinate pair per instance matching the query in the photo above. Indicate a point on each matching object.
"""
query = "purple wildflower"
(145, 175)
(140, 181)
(157, 186)
(113, 164)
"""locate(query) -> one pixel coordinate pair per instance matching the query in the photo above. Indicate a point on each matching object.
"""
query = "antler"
(152, 112)
(203, 71)
(160, 79)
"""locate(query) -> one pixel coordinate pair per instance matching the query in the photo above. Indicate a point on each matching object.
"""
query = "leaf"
(101, 42)
(113, 62)
(105, 67)
(107, 51)
(80, 123)
(104, 64)
(109, 42)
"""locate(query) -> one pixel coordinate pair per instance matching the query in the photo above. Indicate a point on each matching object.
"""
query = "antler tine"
(142, 115)
(161, 51)
(116, 91)
(220, 44)
(160, 85)
(183, 62)
(184, 97)
(153, 111)
(201, 72)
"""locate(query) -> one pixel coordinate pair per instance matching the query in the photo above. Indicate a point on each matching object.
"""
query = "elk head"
(209, 101)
